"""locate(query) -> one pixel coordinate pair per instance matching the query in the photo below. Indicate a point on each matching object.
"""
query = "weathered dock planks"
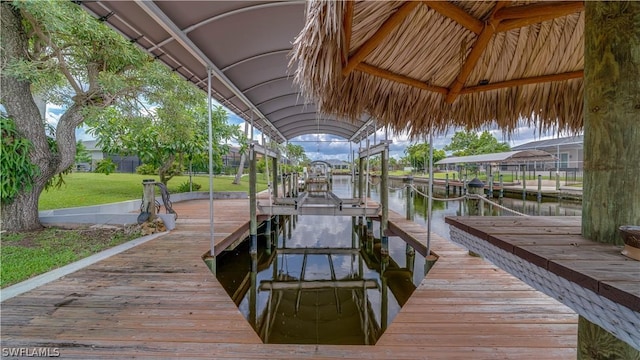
(159, 300)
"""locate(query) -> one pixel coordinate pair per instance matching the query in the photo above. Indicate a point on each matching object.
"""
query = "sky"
(329, 147)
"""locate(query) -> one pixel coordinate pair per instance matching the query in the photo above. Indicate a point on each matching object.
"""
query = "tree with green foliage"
(58, 50)
(82, 154)
(418, 155)
(465, 143)
(296, 154)
(165, 126)
(16, 170)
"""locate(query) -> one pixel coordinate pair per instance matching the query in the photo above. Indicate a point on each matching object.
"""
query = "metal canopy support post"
(384, 199)
(352, 170)
(252, 200)
(274, 162)
(211, 227)
(360, 178)
(367, 182)
(430, 201)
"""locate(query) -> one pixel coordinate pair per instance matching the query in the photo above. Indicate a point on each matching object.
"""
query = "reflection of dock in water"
(291, 307)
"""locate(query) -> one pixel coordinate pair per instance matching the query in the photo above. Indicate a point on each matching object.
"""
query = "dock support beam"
(253, 205)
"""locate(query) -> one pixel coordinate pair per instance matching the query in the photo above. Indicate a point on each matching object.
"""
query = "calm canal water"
(323, 280)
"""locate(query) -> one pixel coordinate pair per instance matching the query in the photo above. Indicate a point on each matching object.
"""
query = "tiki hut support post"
(611, 142)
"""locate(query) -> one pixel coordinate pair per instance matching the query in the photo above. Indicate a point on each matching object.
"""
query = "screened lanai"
(508, 157)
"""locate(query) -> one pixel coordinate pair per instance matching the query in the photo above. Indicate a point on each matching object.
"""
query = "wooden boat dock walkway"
(549, 253)
(159, 300)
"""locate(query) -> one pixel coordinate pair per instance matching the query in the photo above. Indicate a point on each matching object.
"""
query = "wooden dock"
(548, 252)
(159, 300)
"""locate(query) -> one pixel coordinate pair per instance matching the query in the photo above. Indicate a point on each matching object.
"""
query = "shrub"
(106, 166)
(184, 187)
(146, 169)
(15, 166)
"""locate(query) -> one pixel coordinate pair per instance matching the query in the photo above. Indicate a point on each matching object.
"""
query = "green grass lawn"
(32, 253)
(84, 189)
(24, 255)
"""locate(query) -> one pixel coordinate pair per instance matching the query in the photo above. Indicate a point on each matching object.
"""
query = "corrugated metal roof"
(550, 142)
(512, 157)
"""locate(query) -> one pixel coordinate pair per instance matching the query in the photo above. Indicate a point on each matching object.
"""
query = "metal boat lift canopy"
(245, 44)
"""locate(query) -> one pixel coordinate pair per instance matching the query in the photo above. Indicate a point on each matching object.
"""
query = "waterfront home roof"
(573, 140)
(508, 157)
(417, 66)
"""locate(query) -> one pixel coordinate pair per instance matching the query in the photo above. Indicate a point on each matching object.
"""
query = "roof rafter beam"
(524, 81)
(478, 49)
(456, 14)
(553, 9)
(385, 74)
(389, 25)
(347, 26)
(527, 14)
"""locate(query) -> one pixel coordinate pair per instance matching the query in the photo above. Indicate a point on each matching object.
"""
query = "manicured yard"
(32, 253)
(23, 255)
(84, 189)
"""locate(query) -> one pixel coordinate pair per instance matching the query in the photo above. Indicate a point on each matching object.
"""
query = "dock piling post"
(501, 194)
(539, 188)
(268, 237)
(410, 257)
(446, 184)
(524, 185)
(149, 198)
(409, 197)
(476, 188)
(491, 185)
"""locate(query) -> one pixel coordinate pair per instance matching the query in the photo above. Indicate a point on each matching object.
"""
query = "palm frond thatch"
(408, 79)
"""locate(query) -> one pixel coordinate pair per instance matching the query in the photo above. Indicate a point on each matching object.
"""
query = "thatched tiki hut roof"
(437, 64)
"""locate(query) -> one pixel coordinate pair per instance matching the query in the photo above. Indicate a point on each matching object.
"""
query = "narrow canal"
(324, 279)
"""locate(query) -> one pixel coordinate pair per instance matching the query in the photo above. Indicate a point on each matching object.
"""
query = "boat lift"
(328, 204)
